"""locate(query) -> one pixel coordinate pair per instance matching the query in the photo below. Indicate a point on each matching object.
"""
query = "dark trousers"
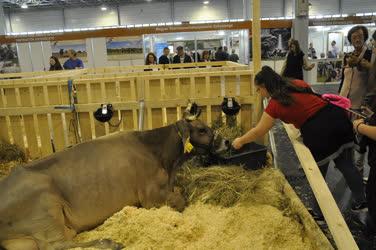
(371, 191)
(345, 164)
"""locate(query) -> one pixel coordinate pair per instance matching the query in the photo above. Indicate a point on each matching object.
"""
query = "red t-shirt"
(304, 106)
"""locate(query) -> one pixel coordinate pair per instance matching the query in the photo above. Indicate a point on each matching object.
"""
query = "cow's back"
(99, 177)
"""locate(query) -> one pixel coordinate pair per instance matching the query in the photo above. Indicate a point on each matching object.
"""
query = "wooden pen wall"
(32, 114)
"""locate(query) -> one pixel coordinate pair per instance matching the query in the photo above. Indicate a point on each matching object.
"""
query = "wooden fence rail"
(37, 114)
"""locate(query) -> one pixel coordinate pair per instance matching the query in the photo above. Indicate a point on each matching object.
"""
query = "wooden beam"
(337, 225)
(256, 36)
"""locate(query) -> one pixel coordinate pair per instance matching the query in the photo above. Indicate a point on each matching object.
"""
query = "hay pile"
(10, 156)
(231, 208)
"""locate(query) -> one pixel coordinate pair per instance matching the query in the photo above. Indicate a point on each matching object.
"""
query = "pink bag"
(337, 100)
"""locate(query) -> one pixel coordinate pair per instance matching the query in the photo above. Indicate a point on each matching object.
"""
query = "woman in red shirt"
(325, 128)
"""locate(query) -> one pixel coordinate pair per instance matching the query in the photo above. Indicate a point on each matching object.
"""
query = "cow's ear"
(184, 130)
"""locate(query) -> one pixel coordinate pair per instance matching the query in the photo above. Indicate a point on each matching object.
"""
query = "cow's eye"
(202, 130)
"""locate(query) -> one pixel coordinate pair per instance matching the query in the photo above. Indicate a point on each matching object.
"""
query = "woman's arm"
(306, 66)
(264, 125)
(364, 129)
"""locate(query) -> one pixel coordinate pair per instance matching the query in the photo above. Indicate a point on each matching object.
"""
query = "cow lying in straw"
(45, 204)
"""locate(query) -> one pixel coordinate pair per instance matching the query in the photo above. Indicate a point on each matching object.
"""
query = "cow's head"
(196, 136)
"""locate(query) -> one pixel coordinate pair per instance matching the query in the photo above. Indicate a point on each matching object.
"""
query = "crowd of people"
(181, 56)
(329, 130)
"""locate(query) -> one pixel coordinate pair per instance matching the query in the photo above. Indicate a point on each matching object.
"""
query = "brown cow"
(45, 204)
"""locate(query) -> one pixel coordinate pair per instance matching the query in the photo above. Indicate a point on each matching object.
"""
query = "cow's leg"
(98, 244)
(20, 244)
(158, 192)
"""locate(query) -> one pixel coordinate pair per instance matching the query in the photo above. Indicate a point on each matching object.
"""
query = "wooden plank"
(256, 35)
(337, 225)
(208, 115)
(22, 122)
(178, 95)
(104, 99)
(150, 117)
(35, 120)
(63, 118)
(7, 119)
(49, 117)
(119, 105)
(134, 110)
(192, 87)
(207, 85)
(118, 97)
(91, 116)
(163, 97)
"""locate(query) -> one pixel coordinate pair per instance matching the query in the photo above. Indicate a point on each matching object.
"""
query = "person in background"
(233, 57)
(221, 55)
(295, 62)
(355, 75)
(181, 56)
(330, 54)
(335, 49)
(55, 64)
(164, 59)
(312, 51)
(325, 128)
(225, 52)
(196, 54)
(150, 59)
(73, 62)
(205, 56)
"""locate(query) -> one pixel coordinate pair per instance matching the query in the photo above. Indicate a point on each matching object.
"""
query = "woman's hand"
(356, 124)
(237, 143)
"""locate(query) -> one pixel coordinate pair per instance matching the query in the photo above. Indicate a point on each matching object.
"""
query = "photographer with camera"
(355, 82)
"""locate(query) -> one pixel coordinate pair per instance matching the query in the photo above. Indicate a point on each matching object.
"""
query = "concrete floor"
(288, 162)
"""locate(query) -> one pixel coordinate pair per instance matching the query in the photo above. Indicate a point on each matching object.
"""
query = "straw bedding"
(230, 208)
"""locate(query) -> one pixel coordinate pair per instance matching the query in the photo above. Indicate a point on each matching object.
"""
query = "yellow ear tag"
(188, 147)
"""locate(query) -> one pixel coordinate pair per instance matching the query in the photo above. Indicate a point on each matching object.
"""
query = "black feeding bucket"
(252, 156)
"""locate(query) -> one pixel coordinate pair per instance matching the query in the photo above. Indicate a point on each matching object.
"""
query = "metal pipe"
(141, 115)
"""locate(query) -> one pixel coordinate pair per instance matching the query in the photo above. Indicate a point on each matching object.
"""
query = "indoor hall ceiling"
(37, 4)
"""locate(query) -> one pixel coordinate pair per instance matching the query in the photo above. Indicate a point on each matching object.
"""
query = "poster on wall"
(329, 71)
(124, 48)
(274, 43)
(60, 49)
(9, 58)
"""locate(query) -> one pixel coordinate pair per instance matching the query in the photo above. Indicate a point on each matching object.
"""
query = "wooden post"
(256, 58)
(256, 36)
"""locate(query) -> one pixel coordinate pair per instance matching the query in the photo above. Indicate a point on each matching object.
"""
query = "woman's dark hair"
(147, 58)
(356, 28)
(279, 88)
(297, 46)
(57, 65)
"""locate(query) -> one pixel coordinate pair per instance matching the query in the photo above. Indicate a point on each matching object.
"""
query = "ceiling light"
(24, 6)
(148, 1)
(206, 2)
(103, 8)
